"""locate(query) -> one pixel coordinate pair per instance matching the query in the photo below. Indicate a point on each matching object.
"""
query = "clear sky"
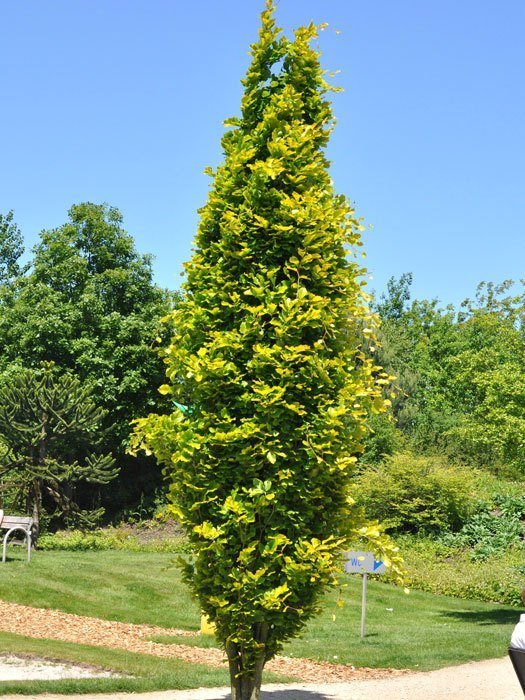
(122, 101)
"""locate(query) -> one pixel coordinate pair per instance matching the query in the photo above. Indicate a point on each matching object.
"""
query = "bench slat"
(10, 520)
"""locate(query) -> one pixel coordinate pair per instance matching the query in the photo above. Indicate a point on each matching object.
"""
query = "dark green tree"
(50, 429)
(267, 354)
(11, 249)
(393, 304)
(395, 353)
(89, 304)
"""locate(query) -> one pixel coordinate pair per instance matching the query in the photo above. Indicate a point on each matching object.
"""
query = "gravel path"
(484, 680)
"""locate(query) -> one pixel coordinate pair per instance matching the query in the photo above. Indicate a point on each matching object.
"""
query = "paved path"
(484, 680)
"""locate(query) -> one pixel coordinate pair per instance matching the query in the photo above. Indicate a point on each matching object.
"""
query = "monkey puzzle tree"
(267, 356)
(49, 432)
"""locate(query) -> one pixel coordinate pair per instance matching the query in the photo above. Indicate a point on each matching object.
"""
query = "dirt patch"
(25, 667)
(53, 624)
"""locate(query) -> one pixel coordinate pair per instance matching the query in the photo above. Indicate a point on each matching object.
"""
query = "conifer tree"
(267, 354)
(46, 422)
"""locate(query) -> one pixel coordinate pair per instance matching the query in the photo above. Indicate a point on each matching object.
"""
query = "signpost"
(363, 563)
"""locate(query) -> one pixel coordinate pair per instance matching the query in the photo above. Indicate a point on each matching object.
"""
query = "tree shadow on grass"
(501, 616)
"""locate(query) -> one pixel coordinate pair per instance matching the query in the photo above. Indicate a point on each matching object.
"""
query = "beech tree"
(267, 355)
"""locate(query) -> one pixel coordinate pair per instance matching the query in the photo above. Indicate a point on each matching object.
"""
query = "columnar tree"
(50, 429)
(267, 356)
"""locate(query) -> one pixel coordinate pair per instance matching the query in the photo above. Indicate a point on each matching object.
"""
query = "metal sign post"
(363, 563)
(363, 605)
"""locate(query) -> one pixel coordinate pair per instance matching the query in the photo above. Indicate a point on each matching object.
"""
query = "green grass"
(149, 672)
(419, 630)
(126, 586)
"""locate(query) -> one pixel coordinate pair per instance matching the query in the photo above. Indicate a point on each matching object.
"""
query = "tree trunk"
(36, 498)
(38, 482)
(246, 685)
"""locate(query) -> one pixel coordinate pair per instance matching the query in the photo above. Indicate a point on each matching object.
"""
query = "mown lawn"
(420, 630)
(134, 587)
(141, 672)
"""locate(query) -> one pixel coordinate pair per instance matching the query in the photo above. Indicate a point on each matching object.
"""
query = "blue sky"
(122, 101)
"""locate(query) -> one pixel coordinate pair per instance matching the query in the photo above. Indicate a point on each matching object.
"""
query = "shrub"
(413, 493)
(511, 505)
(497, 493)
(117, 538)
(449, 570)
(494, 530)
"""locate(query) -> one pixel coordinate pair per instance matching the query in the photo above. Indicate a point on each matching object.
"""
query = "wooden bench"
(21, 528)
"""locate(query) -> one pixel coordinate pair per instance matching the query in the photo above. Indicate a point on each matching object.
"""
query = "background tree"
(392, 305)
(89, 305)
(459, 377)
(46, 423)
(11, 249)
(484, 380)
(267, 354)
